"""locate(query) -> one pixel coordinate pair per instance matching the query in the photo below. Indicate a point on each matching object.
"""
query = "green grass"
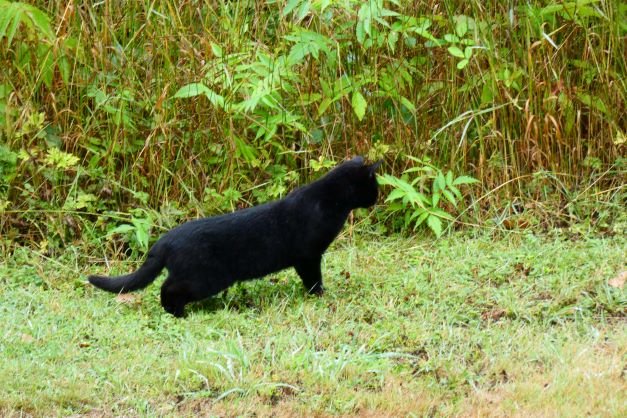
(466, 325)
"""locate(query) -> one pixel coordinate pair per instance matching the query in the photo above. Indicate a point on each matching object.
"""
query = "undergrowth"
(114, 117)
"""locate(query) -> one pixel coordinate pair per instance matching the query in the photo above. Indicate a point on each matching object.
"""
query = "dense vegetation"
(118, 117)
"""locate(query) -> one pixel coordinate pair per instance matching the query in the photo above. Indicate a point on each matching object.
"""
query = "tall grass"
(215, 104)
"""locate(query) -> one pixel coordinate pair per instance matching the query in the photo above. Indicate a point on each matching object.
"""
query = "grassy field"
(498, 325)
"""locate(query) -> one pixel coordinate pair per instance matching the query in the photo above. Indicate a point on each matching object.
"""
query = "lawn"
(481, 324)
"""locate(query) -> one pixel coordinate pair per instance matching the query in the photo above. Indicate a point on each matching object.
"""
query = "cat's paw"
(317, 290)
(177, 311)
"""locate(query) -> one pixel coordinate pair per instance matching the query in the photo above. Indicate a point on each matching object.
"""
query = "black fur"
(205, 256)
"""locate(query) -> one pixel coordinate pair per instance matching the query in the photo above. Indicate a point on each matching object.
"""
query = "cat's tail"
(139, 279)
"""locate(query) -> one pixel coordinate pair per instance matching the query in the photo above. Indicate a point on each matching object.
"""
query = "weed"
(184, 103)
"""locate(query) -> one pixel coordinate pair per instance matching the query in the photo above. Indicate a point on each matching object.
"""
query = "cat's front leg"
(311, 275)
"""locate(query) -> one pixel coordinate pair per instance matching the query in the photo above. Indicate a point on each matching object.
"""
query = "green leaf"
(47, 64)
(449, 178)
(13, 27)
(142, 229)
(435, 199)
(321, 5)
(392, 39)
(309, 98)
(191, 90)
(456, 191)
(409, 105)
(421, 198)
(245, 151)
(461, 26)
(216, 99)
(441, 214)
(216, 49)
(440, 181)
(41, 21)
(291, 5)
(395, 194)
(449, 196)
(121, 229)
(418, 212)
(14, 13)
(421, 219)
(456, 52)
(594, 102)
(360, 32)
(435, 224)
(465, 180)
(487, 93)
(388, 179)
(359, 105)
(388, 13)
(64, 69)
(303, 10)
(6, 16)
(61, 160)
(367, 22)
(324, 104)
(407, 219)
(82, 201)
(463, 63)
(298, 52)
(197, 89)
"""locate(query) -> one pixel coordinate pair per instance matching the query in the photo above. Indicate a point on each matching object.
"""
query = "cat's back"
(239, 223)
(242, 244)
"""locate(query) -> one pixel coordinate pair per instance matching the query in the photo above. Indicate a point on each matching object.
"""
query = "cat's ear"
(358, 159)
(374, 166)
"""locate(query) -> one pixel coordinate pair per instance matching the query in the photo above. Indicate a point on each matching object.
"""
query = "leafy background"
(119, 119)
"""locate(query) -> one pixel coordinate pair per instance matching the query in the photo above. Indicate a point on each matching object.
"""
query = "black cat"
(205, 256)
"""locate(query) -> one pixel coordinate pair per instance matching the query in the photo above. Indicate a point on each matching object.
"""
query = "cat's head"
(359, 180)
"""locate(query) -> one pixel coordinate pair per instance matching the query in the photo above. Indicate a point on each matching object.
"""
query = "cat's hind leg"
(311, 275)
(175, 294)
